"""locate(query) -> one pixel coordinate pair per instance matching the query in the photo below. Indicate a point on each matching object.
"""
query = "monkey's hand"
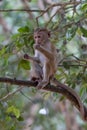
(26, 56)
(37, 46)
(31, 58)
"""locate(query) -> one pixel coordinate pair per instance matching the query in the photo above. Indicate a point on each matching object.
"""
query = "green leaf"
(71, 32)
(84, 7)
(84, 31)
(24, 64)
(2, 51)
(20, 118)
(15, 36)
(19, 44)
(12, 128)
(23, 29)
(13, 110)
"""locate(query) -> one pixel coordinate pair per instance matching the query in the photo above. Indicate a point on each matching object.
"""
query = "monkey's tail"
(73, 96)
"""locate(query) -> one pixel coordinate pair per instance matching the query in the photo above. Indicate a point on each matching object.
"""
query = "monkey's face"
(40, 37)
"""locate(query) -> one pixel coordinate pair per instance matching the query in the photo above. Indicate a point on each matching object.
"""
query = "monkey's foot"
(35, 79)
(42, 84)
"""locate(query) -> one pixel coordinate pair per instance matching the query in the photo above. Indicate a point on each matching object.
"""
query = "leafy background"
(28, 108)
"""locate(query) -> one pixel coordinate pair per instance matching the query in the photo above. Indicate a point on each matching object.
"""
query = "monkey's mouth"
(39, 42)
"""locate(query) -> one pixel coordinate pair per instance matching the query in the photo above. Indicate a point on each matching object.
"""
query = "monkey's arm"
(47, 53)
(31, 58)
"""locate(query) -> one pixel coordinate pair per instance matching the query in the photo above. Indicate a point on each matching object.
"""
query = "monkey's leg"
(46, 76)
(36, 72)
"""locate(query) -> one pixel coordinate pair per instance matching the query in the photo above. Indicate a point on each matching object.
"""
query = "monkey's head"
(41, 35)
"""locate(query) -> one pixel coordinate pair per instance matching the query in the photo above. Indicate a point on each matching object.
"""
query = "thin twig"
(52, 17)
(11, 94)
(26, 96)
(62, 5)
(73, 65)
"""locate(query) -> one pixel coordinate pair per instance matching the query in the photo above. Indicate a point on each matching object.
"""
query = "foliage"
(69, 34)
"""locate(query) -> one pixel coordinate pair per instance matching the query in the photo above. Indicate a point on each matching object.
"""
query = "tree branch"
(44, 11)
(28, 10)
(60, 88)
(59, 4)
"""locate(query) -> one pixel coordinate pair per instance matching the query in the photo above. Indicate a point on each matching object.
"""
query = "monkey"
(44, 62)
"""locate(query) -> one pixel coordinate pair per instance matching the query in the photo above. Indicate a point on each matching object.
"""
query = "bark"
(59, 88)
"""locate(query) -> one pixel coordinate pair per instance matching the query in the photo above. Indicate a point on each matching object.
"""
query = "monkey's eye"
(39, 36)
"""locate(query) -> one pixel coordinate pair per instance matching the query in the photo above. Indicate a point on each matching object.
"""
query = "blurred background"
(23, 108)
